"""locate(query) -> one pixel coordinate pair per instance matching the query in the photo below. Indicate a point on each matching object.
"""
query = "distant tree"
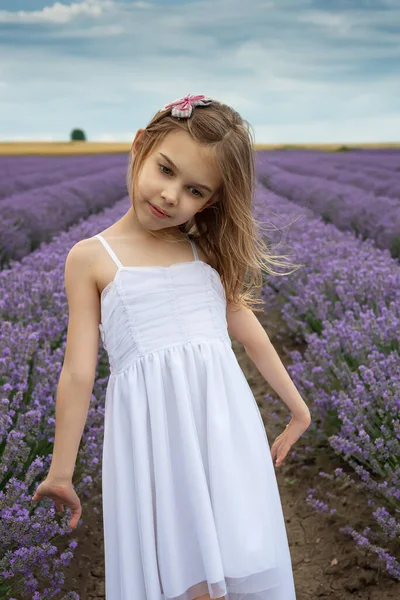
(78, 134)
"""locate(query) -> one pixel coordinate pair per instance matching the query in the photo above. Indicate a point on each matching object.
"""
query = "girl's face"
(180, 188)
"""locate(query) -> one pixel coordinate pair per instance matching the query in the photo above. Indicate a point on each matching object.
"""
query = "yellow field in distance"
(54, 148)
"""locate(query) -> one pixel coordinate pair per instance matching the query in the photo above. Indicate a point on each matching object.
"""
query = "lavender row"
(387, 160)
(346, 206)
(33, 217)
(345, 303)
(33, 326)
(30, 164)
(41, 174)
(370, 179)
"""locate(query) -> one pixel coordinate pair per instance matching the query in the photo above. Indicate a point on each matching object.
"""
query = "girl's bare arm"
(78, 371)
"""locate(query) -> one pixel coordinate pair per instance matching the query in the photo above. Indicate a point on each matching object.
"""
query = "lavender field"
(38, 199)
(339, 216)
(358, 191)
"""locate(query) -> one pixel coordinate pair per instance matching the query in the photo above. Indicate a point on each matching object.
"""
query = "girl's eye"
(164, 167)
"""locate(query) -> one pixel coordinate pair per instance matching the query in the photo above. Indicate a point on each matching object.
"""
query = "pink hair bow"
(183, 107)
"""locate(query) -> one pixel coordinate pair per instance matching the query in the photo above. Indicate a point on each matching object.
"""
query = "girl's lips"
(156, 212)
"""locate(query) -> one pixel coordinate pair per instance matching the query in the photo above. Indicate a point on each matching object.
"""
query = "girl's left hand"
(62, 492)
(293, 431)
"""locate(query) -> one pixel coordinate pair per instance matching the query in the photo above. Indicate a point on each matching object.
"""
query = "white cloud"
(336, 21)
(385, 128)
(107, 137)
(144, 5)
(29, 138)
(356, 24)
(58, 13)
(89, 32)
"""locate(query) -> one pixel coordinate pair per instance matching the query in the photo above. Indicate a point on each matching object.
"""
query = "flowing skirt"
(191, 504)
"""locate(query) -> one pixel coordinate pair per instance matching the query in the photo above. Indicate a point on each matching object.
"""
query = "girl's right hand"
(61, 492)
(292, 432)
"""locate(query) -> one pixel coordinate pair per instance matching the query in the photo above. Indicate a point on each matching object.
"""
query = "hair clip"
(183, 107)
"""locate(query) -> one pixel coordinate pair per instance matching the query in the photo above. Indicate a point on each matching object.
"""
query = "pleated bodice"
(174, 305)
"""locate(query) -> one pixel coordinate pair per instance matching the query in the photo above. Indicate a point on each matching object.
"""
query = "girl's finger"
(275, 449)
(282, 455)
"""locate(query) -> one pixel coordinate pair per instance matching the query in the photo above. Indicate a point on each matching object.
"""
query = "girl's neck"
(129, 226)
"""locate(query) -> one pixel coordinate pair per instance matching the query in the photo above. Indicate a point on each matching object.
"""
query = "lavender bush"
(376, 179)
(345, 303)
(33, 326)
(346, 206)
(29, 218)
(19, 177)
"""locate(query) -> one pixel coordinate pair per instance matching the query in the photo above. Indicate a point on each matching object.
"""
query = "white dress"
(190, 499)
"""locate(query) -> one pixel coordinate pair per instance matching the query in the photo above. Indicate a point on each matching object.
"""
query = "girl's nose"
(171, 195)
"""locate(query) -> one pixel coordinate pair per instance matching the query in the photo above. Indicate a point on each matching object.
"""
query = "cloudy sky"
(298, 70)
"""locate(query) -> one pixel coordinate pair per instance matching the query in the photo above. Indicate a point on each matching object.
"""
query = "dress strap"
(110, 251)
(196, 256)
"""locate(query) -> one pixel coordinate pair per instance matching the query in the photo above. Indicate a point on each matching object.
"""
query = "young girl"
(191, 505)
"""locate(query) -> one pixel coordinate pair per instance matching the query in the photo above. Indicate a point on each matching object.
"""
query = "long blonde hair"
(227, 231)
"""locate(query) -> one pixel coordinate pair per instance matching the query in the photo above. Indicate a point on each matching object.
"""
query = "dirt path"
(325, 564)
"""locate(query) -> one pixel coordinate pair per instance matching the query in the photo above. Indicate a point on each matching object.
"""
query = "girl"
(191, 506)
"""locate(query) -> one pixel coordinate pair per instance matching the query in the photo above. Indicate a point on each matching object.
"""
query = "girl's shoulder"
(101, 273)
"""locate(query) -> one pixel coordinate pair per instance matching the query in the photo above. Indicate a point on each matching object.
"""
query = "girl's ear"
(136, 142)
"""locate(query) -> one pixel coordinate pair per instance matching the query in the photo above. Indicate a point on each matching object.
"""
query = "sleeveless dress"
(191, 504)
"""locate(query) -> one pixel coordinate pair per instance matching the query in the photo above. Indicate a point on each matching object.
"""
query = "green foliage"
(78, 135)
